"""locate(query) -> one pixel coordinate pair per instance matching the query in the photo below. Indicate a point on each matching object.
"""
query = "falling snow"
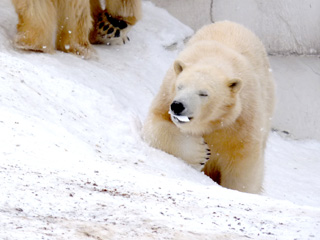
(73, 164)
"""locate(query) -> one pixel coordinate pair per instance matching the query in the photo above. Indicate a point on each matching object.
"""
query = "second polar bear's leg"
(74, 24)
(112, 24)
(36, 26)
(127, 10)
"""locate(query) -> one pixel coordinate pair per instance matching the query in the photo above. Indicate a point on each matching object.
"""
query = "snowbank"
(73, 164)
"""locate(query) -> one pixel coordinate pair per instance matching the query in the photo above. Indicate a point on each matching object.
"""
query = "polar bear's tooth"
(179, 117)
(182, 118)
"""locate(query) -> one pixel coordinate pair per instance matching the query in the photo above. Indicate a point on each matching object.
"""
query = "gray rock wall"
(285, 26)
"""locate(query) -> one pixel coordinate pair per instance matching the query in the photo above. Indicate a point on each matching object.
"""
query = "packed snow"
(73, 164)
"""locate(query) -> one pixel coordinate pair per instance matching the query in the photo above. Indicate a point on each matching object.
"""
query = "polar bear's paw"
(109, 30)
(195, 152)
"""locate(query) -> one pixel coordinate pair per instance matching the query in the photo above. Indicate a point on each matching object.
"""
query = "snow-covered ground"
(73, 164)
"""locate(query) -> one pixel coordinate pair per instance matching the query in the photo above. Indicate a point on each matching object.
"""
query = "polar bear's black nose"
(177, 107)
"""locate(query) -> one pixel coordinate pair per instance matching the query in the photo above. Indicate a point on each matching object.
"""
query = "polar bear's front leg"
(164, 135)
(194, 151)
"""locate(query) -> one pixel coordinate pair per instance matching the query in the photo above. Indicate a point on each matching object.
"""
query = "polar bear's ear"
(178, 66)
(234, 84)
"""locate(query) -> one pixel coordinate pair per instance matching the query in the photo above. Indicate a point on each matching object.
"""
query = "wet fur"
(229, 129)
(46, 25)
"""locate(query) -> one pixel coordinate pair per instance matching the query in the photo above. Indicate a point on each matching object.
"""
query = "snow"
(73, 164)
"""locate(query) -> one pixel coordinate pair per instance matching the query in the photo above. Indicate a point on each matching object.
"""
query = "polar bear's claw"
(109, 30)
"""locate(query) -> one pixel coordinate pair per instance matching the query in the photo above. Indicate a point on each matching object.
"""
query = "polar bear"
(44, 25)
(112, 24)
(215, 106)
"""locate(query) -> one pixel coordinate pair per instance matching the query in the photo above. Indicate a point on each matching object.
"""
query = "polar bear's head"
(205, 98)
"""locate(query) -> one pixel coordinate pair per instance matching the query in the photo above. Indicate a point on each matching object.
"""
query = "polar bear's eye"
(180, 87)
(203, 94)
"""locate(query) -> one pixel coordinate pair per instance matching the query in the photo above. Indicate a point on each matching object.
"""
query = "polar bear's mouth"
(180, 118)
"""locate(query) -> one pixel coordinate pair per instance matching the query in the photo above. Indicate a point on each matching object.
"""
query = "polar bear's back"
(238, 38)
(232, 35)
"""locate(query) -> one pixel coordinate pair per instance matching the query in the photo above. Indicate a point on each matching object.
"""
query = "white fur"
(222, 79)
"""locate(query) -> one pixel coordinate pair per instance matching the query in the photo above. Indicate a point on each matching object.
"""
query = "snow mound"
(73, 164)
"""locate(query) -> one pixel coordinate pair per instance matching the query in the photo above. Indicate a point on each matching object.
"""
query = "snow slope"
(73, 164)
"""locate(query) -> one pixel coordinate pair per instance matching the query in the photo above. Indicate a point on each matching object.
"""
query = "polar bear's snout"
(178, 112)
(177, 108)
